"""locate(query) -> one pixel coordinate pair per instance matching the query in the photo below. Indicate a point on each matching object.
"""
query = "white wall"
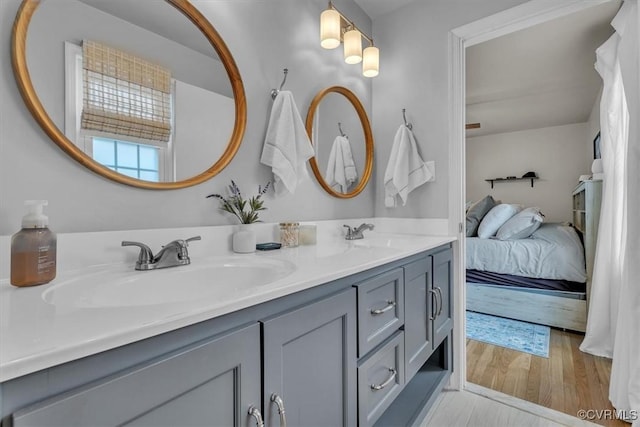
(558, 154)
(594, 118)
(264, 37)
(413, 42)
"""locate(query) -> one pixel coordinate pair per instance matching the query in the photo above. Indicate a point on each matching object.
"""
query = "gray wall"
(264, 37)
(414, 74)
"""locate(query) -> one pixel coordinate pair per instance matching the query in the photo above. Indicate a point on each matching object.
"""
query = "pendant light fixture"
(333, 25)
(352, 46)
(371, 61)
(330, 29)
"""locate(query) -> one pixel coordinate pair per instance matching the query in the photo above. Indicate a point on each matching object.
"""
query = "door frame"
(514, 19)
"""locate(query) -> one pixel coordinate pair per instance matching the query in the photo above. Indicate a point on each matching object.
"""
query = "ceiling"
(160, 18)
(538, 77)
(376, 8)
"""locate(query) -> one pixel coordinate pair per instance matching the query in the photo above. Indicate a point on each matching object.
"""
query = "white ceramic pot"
(244, 240)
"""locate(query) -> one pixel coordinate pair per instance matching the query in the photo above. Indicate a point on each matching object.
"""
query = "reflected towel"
(341, 169)
(406, 170)
(286, 147)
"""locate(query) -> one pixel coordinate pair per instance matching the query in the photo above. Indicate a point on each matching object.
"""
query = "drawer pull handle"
(255, 413)
(389, 380)
(434, 311)
(280, 404)
(390, 305)
(440, 296)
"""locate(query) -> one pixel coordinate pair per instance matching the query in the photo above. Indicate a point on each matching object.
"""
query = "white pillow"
(495, 218)
(521, 225)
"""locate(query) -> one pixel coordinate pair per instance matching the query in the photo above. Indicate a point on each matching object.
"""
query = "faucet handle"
(191, 239)
(146, 256)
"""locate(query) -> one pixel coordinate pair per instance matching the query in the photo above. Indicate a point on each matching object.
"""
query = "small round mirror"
(340, 132)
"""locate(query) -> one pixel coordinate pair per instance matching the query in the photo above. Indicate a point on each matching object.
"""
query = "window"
(135, 160)
(134, 156)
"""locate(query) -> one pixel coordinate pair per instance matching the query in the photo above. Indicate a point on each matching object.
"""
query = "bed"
(540, 279)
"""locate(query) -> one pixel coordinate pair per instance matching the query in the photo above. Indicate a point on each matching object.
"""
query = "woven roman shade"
(124, 94)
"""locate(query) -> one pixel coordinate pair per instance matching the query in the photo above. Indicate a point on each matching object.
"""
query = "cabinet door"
(310, 363)
(418, 298)
(212, 383)
(442, 285)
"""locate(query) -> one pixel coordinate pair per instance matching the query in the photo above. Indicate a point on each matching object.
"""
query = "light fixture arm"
(351, 24)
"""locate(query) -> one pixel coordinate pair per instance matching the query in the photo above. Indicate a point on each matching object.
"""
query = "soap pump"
(33, 248)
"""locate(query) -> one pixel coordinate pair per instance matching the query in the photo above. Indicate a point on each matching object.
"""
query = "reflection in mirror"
(136, 86)
(341, 136)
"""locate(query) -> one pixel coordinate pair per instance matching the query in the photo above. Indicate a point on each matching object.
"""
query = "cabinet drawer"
(380, 309)
(380, 380)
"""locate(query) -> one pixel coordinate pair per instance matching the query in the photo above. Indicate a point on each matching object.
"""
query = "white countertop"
(35, 334)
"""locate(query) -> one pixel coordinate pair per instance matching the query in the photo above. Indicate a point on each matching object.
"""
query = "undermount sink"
(124, 287)
(393, 241)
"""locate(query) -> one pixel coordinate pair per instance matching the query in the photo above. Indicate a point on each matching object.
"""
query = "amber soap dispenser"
(33, 249)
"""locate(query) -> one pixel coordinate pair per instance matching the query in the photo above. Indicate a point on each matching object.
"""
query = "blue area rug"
(513, 334)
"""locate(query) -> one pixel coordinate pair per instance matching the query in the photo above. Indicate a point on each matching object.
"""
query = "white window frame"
(84, 139)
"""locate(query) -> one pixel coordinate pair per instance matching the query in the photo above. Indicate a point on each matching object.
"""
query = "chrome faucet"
(354, 233)
(172, 254)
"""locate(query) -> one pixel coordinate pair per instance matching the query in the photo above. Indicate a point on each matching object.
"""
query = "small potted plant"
(246, 210)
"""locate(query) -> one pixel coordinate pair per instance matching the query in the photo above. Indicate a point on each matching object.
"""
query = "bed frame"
(546, 308)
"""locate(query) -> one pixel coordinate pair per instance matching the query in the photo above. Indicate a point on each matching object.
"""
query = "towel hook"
(340, 129)
(274, 92)
(404, 116)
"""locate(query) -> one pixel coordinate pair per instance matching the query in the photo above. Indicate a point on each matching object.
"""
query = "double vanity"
(343, 333)
(340, 333)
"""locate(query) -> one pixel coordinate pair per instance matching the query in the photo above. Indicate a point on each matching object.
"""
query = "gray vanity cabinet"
(442, 283)
(211, 383)
(428, 307)
(310, 363)
(370, 349)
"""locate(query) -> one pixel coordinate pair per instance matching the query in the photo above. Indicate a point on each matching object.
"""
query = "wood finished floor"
(569, 380)
(465, 409)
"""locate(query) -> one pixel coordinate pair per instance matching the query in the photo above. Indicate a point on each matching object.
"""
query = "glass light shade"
(330, 29)
(352, 47)
(370, 61)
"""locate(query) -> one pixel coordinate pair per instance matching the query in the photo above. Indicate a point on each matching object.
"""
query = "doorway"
(507, 22)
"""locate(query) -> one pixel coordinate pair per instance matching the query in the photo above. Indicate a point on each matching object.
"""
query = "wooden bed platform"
(522, 304)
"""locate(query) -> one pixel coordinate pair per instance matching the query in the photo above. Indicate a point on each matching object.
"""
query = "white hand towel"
(286, 146)
(341, 169)
(406, 170)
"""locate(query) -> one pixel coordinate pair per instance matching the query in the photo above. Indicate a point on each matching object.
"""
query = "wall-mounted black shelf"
(529, 178)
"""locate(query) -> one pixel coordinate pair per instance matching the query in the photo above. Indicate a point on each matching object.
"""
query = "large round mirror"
(143, 92)
(340, 132)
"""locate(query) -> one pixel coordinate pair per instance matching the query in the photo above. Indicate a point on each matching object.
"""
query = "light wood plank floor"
(569, 380)
(466, 409)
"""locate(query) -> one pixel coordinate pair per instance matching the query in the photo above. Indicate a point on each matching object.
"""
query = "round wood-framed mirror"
(235, 102)
(339, 129)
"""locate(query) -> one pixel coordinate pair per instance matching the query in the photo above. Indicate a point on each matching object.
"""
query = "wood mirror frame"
(368, 140)
(19, 61)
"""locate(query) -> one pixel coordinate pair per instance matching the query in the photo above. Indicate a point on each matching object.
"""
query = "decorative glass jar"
(289, 234)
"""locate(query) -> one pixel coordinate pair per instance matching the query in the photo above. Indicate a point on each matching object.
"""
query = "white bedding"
(554, 251)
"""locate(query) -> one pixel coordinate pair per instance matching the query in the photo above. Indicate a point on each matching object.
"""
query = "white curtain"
(613, 328)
